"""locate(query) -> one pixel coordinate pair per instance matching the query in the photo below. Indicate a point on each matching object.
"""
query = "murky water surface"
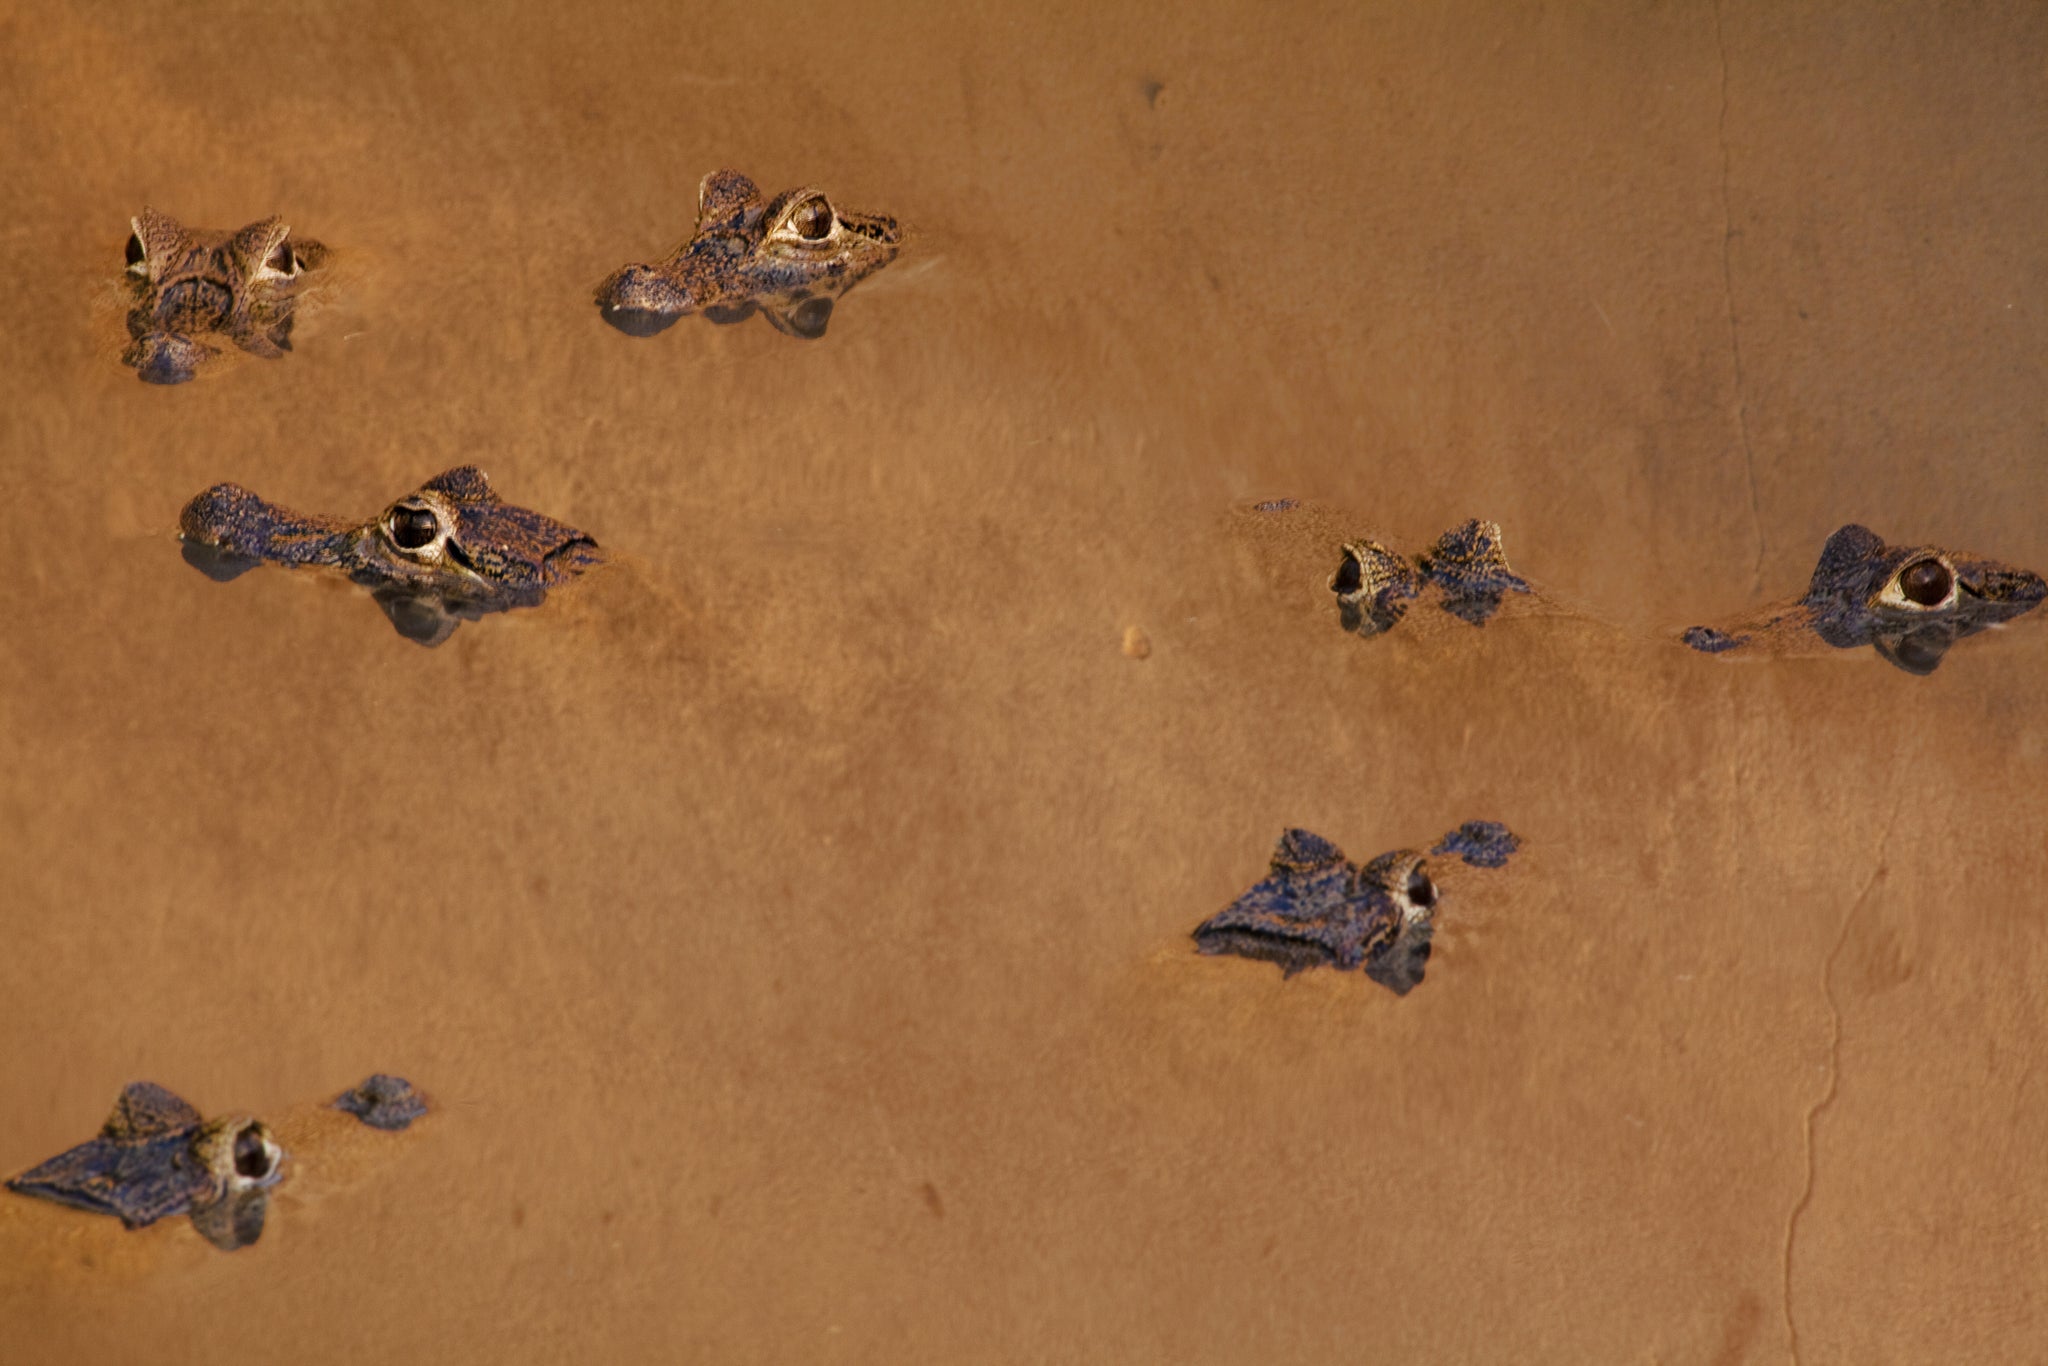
(791, 920)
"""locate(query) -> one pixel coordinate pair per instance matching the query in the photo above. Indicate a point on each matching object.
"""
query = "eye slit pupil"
(135, 252)
(1926, 583)
(413, 528)
(1421, 891)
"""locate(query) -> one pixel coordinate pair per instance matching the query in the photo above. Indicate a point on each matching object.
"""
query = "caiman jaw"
(234, 522)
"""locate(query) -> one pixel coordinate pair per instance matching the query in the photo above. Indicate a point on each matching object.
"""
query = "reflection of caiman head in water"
(189, 286)
(1911, 603)
(156, 1157)
(790, 258)
(448, 552)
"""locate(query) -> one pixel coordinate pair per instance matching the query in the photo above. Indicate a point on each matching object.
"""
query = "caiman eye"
(252, 1157)
(413, 528)
(812, 219)
(135, 251)
(282, 261)
(1421, 891)
(1927, 583)
(1349, 577)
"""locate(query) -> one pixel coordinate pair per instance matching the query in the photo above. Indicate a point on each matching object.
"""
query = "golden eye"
(812, 220)
(282, 261)
(1927, 583)
(413, 528)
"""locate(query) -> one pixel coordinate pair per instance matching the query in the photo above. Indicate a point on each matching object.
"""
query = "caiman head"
(448, 551)
(190, 285)
(1911, 602)
(790, 258)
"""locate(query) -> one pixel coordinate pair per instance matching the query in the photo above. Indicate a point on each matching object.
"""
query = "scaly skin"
(1909, 603)
(789, 258)
(450, 551)
(1315, 908)
(155, 1157)
(1466, 568)
(191, 286)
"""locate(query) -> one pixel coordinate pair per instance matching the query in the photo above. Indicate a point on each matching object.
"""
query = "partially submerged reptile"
(192, 288)
(789, 258)
(157, 1157)
(447, 552)
(1466, 571)
(1315, 908)
(1909, 603)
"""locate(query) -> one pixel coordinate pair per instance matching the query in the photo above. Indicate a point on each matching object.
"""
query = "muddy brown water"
(790, 921)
